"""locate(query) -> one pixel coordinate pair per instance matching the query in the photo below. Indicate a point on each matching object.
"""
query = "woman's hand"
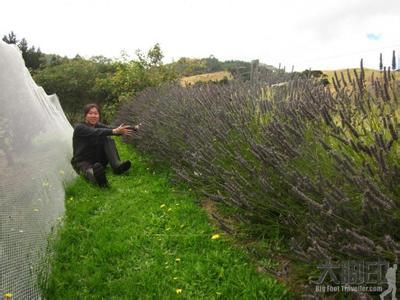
(123, 130)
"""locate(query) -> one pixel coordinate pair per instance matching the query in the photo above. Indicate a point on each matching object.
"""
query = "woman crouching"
(93, 148)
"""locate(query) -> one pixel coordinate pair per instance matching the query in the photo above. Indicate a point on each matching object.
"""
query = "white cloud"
(318, 34)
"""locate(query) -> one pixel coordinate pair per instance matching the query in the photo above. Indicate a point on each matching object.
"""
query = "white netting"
(35, 149)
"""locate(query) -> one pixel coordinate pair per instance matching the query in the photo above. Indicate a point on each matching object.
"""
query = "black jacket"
(86, 139)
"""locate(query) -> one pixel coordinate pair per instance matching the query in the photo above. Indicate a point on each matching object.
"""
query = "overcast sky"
(317, 34)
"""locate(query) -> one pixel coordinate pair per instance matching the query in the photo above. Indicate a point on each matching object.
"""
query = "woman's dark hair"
(89, 107)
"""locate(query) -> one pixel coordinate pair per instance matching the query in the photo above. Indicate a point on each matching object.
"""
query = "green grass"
(144, 238)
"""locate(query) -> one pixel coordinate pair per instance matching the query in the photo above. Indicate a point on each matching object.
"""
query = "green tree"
(190, 66)
(72, 81)
(132, 76)
(213, 64)
(79, 81)
(11, 38)
(48, 60)
(154, 56)
(31, 56)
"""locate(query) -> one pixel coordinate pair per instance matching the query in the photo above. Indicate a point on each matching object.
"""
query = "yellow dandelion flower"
(177, 259)
(8, 295)
(162, 205)
(178, 291)
(215, 236)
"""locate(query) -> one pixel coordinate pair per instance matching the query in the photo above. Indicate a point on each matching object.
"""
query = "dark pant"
(99, 157)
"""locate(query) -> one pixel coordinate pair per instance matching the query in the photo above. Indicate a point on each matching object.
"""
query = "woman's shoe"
(112, 155)
(123, 167)
(100, 175)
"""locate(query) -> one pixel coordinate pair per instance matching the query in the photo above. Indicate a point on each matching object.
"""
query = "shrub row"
(320, 164)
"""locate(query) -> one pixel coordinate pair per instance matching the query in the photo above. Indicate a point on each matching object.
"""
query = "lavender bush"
(319, 163)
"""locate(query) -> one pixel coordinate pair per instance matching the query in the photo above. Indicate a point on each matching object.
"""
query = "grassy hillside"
(143, 238)
(368, 73)
(216, 76)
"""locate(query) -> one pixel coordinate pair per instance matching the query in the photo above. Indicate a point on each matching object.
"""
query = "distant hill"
(186, 67)
(215, 77)
(368, 73)
(242, 66)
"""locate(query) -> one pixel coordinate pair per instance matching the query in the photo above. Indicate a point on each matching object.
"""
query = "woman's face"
(92, 117)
